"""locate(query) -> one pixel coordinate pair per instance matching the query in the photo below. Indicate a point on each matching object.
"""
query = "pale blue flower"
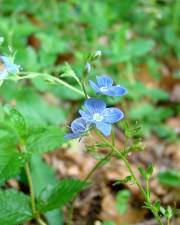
(7, 66)
(97, 113)
(105, 86)
(78, 127)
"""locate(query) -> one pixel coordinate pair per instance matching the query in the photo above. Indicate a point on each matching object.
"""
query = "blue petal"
(5, 60)
(72, 136)
(94, 105)
(115, 91)
(10, 67)
(3, 74)
(104, 81)
(112, 115)
(105, 128)
(79, 125)
(86, 116)
(94, 86)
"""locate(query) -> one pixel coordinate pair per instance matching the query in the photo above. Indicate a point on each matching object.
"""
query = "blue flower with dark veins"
(97, 113)
(78, 127)
(105, 86)
(7, 66)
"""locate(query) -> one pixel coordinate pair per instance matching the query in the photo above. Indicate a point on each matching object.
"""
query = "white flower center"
(104, 89)
(97, 117)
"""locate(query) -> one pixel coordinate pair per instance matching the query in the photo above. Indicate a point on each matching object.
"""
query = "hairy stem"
(47, 77)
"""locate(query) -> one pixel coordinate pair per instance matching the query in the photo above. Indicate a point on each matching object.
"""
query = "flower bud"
(96, 56)
(87, 68)
(98, 53)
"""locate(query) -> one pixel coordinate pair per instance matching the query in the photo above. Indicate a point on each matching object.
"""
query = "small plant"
(20, 142)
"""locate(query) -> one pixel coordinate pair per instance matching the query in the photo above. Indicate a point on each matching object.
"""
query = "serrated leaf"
(7, 136)
(44, 139)
(10, 159)
(17, 121)
(15, 207)
(56, 196)
(11, 162)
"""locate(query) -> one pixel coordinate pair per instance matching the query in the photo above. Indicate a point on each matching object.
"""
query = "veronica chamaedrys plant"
(7, 67)
(96, 113)
(105, 86)
(39, 140)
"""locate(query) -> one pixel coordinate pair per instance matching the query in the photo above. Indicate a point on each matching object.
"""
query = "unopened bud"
(87, 68)
(98, 53)
(96, 56)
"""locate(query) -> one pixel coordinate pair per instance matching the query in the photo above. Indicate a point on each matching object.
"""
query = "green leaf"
(122, 201)
(169, 212)
(157, 205)
(54, 217)
(149, 171)
(7, 135)
(170, 177)
(36, 110)
(142, 172)
(17, 121)
(42, 174)
(11, 162)
(44, 139)
(56, 196)
(15, 207)
(125, 180)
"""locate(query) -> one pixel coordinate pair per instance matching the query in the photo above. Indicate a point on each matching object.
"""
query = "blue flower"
(6, 67)
(97, 113)
(79, 127)
(105, 86)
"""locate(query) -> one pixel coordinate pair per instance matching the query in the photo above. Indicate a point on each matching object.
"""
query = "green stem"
(29, 178)
(68, 86)
(168, 221)
(84, 90)
(48, 77)
(147, 189)
(28, 174)
(40, 221)
(97, 165)
(113, 137)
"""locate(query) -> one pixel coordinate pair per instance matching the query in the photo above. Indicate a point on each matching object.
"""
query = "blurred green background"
(139, 40)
